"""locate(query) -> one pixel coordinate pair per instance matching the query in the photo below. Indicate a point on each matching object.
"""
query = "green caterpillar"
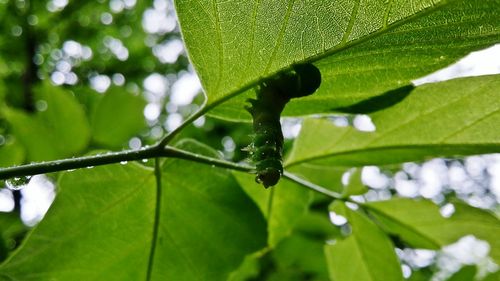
(272, 96)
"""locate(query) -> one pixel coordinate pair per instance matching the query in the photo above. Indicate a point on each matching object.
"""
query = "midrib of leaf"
(156, 223)
(405, 225)
(409, 147)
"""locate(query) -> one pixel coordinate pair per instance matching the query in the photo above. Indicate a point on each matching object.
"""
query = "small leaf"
(493, 276)
(466, 273)
(59, 130)
(118, 117)
(11, 153)
(329, 177)
(366, 254)
(303, 255)
(419, 223)
(355, 185)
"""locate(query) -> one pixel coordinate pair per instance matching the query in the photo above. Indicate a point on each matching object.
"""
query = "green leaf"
(11, 153)
(283, 205)
(301, 254)
(419, 223)
(465, 273)
(248, 269)
(493, 276)
(366, 254)
(327, 176)
(118, 117)
(355, 185)
(363, 49)
(206, 226)
(105, 215)
(102, 223)
(456, 117)
(12, 231)
(61, 130)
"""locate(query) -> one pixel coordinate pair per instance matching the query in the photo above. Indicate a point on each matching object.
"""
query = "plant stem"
(182, 154)
(313, 186)
(76, 163)
(115, 157)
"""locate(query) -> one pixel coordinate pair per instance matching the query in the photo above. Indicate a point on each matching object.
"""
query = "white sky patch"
(159, 20)
(100, 83)
(228, 144)
(337, 219)
(56, 5)
(185, 89)
(152, 111)
(291, 127)
(37, 198)
(494, 172)
(468, 250)
(404, 186)
(364, 123)
(173, 121)
(474, 64)
(340, 121)
(135, 143)
(116, 47)
(372, 177)
(6, 200)
(433, 176)
(157, 85)
(169, 51)
(447, 210)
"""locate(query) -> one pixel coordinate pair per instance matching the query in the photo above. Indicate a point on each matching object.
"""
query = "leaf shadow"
(383, 101)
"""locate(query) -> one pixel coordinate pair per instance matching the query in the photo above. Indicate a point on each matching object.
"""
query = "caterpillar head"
(268, 177)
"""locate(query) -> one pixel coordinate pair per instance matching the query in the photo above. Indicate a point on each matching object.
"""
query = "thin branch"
(115, 157)
(182, 154)
(76, 163)
(189, 120)
(313, 186)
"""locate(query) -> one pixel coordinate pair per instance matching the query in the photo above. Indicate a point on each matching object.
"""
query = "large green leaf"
(102, 224)
(419, 223)
(206, 226)
(456, 117)
(366, 254)
(283, 205)
(363, 49)
(98, 228)
(59, 130)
